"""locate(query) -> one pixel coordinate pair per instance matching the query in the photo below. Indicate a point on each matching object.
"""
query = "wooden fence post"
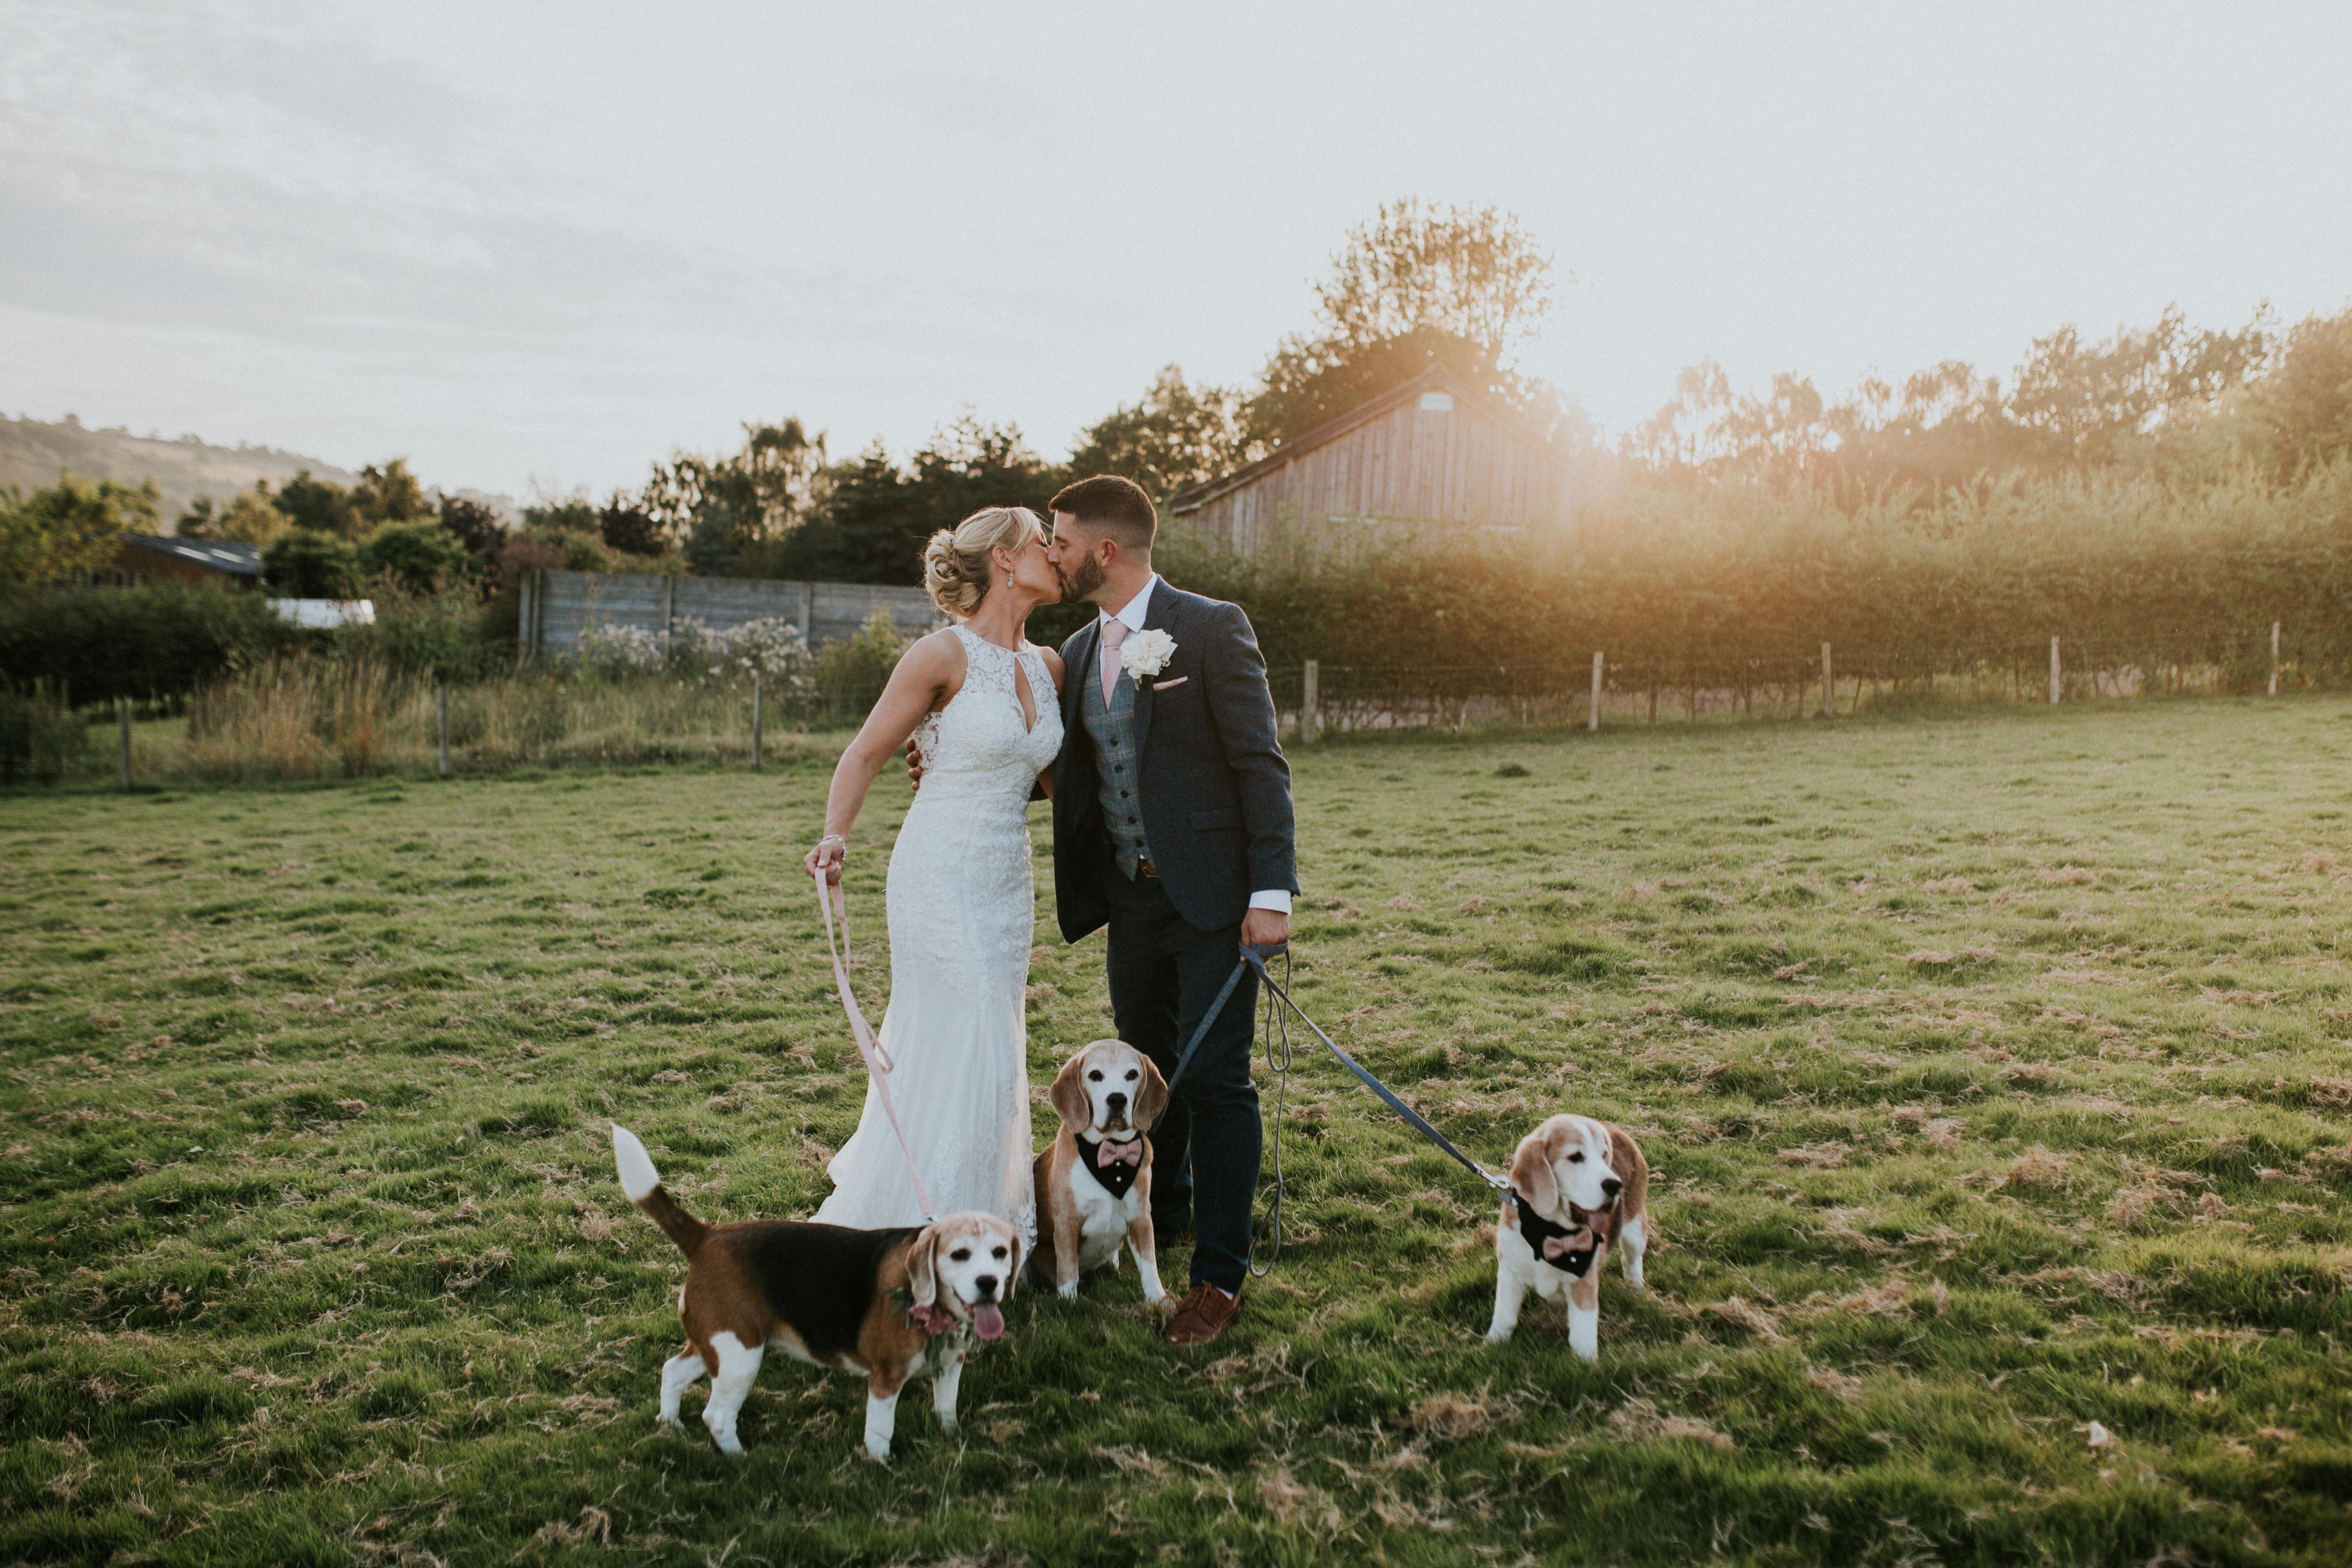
(122, 721)
(522, 621)
(1829, 686)
(1592, 709)
(2056, 674)
(758, 713)
(1310, 705)
(2274, 652)
(670, 610)
(441, 702)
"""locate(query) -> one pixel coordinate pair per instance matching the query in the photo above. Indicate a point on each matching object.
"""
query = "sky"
(538, 247)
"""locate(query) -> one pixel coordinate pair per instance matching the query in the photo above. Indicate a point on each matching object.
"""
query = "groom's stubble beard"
(1076, 585)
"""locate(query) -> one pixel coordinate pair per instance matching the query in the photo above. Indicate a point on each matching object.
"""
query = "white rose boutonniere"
(1146, 654)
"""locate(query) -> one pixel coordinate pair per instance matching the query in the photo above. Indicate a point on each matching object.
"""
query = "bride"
(980, 701)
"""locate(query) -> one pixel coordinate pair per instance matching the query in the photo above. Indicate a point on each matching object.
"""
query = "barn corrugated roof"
(213, 555)
(1435, 376)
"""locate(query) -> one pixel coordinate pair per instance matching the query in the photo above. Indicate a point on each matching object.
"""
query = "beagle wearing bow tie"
(1094, 1180)
(1577, 1189)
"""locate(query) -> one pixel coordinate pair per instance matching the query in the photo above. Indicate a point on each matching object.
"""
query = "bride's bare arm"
(927, 676)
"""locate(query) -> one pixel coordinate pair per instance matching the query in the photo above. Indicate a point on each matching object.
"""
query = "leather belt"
(1145, 867)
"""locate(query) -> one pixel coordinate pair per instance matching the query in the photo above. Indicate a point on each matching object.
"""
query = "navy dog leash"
(1534, 1227)
(1254, 957)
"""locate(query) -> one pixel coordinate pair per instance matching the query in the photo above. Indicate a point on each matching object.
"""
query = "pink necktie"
(1114, 633)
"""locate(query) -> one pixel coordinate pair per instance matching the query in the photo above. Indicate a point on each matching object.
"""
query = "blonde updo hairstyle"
(956, 565)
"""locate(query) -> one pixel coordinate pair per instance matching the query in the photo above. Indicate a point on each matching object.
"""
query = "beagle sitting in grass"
(1094, 1180)
(888, 1303)
(1577, 1188)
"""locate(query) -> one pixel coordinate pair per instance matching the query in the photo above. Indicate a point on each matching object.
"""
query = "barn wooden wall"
(1409, 465)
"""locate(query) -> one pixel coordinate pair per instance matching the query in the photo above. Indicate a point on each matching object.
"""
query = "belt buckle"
(1146, 869)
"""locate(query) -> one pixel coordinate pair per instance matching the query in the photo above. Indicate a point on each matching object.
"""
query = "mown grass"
(1994, 1070)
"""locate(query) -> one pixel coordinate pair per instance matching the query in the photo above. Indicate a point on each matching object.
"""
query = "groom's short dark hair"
(1116, 507)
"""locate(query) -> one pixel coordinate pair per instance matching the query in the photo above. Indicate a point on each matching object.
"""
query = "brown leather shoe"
(1205, 1313)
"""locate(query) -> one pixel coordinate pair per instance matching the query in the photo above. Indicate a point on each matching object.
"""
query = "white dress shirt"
(1130, 615)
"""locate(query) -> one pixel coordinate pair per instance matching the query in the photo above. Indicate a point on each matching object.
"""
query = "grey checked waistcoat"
(1113, 730)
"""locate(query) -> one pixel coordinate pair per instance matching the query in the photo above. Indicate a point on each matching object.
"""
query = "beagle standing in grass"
(888, 1303)
(1094, 1180)
(1577, 1187)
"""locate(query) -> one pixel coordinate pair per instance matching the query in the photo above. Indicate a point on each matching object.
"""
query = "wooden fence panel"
(562, 604)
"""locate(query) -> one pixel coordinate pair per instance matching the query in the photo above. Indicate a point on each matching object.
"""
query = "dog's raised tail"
(643, 1185)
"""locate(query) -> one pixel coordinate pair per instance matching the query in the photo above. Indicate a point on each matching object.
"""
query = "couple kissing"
(1153, 733)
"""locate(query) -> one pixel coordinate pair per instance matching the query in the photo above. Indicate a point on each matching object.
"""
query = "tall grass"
(318, 718)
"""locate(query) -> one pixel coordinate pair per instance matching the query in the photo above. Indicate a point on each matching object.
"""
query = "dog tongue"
(1599, 1221)
(986, 1321)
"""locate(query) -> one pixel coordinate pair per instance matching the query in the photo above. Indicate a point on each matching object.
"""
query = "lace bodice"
(980, 741)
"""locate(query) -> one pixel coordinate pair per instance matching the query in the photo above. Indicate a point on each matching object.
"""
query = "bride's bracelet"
(833, 838)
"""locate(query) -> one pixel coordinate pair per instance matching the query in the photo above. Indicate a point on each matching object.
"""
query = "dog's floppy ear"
(1012, 1275)
(922, 1273)
(1153, 1097)
(1531, 1172)
(1068, 1095)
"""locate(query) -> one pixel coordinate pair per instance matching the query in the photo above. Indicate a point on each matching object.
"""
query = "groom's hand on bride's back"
(914, 764)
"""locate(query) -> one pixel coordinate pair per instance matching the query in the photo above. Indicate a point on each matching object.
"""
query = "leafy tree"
(726, 507)
(2089, 403)
(2303, 407)
(249, 518)
(76, 526)
(421, 556)
(860, 530)
(627, 527)
(474, 525)
(388, 493)
(1460, 286)
(315, 504)
(1176, 436)
(562, 515)
(312, 563)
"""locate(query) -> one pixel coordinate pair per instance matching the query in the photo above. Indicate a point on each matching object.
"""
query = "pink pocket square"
(1164, 685)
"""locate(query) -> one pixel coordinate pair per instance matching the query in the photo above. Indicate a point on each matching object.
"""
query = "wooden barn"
(1435, 455)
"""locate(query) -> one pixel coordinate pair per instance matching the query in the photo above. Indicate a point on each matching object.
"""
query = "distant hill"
(32, 452)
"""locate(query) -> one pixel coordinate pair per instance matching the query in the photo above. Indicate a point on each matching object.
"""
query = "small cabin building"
(152, 557)
(1434, 456)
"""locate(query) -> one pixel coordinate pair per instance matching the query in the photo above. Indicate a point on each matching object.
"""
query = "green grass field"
(1992, 1069)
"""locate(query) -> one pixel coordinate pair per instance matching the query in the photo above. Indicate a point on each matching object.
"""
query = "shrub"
(310, 564)
(440, 636)
(851, 673)
(419, 556)
(2136, 569)
(162, 640)
(697, 656)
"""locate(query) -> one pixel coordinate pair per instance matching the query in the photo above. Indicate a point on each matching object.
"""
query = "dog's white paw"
(1499, 1336)
(1067, 1292)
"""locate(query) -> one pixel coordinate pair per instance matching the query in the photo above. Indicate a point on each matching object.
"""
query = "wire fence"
(1319, 699)
(316, 719)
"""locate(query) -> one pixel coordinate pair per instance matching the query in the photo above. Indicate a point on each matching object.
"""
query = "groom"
(1172, 825)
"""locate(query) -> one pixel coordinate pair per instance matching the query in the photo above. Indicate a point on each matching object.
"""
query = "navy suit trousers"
(1164, 973)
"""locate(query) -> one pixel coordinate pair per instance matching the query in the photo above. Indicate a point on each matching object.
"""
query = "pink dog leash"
(879, 1064)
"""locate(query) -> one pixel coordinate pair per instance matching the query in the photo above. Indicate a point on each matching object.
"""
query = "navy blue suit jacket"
(1215, 788)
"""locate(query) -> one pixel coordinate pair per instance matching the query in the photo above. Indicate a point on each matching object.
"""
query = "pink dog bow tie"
(1559, 1247)
(1128, 1153)
(932, 1320)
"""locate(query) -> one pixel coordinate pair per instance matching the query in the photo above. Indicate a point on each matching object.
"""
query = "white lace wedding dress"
(963, 913)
